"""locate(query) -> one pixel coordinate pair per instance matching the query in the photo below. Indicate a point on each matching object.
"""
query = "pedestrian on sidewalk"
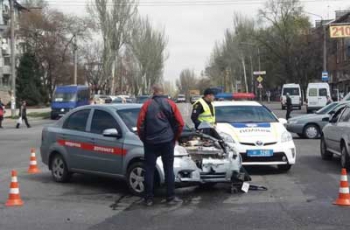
(2, 113)
(23, 115)
(289, 106)
(159, 125)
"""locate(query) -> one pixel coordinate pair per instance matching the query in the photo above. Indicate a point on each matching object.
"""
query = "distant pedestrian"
(23, 115)
(159, 125)
(289, 106)
(329, 100)
(268, 95)
(2, 113)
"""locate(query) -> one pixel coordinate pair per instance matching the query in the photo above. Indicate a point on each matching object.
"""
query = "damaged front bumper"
(227, 170)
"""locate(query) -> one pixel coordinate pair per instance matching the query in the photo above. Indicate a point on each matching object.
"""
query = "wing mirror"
(332, 112)
(111, 133)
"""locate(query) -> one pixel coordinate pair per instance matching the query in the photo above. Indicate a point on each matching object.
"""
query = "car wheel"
(300, 135)
(59, 169)
(325, 154)
(344, 159)
(135, 178)
(311, 131)
(284, 168)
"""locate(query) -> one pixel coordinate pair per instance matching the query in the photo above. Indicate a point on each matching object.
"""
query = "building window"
(7, 61)
(6, 80)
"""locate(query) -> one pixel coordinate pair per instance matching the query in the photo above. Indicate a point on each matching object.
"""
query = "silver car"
(310, 125)
(335, 137)
(101, 139)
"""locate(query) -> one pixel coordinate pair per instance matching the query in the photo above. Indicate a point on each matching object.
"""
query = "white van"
(316, 95)
(294, 93)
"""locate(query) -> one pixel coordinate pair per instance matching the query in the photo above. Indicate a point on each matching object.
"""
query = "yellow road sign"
(260, 79)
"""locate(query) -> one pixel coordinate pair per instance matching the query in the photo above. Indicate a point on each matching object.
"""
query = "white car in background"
(256, 133)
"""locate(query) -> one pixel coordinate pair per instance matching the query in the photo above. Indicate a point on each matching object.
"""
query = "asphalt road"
(300, 199)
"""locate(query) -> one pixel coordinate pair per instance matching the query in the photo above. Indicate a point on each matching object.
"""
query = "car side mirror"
(282, 121)
(332, 112)
(326, 119)
(111, 133)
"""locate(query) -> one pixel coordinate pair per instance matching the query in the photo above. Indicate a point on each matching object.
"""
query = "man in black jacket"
(23, 115)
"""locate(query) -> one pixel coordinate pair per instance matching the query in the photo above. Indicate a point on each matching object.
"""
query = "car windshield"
(64, 97)
(244, 114)
(327, 108)
(129, 116)
(291, 91)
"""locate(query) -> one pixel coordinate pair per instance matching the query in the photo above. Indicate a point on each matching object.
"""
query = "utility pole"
(324, 47)
(75, 60)
(13, 59)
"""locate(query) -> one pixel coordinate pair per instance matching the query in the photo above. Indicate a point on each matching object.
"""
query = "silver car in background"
(335, 137)
(101, 140)
(310, 125)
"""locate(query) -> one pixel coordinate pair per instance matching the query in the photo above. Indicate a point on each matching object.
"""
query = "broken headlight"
(227, 138)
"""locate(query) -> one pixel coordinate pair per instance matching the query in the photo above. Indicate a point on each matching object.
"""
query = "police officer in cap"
(203, 109)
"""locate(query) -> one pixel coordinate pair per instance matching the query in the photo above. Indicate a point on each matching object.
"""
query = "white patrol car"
(256, 133)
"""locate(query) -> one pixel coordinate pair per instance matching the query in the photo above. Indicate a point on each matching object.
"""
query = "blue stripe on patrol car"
(251, 125)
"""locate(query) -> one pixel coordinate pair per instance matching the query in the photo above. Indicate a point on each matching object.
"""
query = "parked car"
(316, 96)
(335, 138)
(256, 133)
(101, 140)
(142, 99)
(181, 98)
(294, 93)
(310, 125)
(194, 98)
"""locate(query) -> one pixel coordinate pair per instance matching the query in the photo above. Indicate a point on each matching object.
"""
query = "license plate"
(259, 153)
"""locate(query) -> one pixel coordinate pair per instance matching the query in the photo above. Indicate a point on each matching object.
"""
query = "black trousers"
(1, 119)
(288, 114)
(152, 152)
(25, 119)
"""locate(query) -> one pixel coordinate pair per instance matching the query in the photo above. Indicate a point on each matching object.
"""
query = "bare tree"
(114, 20)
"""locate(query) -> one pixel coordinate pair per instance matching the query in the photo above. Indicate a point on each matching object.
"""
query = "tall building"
(5, 45)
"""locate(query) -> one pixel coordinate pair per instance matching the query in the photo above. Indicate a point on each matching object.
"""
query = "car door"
(107, 153)
(74, 138)
(322, 96)
(337, 129)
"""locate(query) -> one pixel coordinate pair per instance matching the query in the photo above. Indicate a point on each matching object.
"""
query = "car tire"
(300, 135)
(344, 159)
(325, 154)
(284, 168)
(59, 169)
(135, 178)
(53, 117)
(311, 131)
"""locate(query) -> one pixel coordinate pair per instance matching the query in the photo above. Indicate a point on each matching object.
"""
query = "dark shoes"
(174, 201)
(148, 202)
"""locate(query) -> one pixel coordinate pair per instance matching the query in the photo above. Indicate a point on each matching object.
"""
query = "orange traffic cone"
(14, 197)
(33, 168)
(344, 195)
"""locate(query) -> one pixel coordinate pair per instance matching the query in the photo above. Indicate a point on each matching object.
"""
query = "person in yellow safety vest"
(203, 109)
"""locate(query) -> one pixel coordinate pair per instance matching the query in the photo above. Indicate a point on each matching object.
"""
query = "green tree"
(29, 85)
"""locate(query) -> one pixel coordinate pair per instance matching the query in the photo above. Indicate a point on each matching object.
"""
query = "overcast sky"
(194, 29)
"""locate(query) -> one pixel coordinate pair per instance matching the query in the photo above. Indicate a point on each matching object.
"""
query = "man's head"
(209, 95)
(24, 103)
(157, 89)
(287, 94)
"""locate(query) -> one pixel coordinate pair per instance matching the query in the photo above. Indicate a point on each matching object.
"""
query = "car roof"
(113, 106)
(236, 103)
(291, 85)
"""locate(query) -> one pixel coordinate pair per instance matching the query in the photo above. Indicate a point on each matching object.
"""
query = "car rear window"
(244, 114)
(323, 92)
(77, 121)
(291, 91)
(313, 92)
